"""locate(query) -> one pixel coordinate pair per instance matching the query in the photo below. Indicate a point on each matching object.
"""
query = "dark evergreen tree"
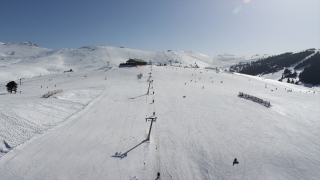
(287, 71)
(294, 75)
(288, 81)
(12, 86)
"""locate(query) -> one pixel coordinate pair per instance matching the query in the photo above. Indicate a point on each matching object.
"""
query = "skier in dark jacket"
(235, 161)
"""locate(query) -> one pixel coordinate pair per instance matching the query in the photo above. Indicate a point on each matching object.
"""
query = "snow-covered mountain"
(96, 127)
(25, 60)
(301, 68)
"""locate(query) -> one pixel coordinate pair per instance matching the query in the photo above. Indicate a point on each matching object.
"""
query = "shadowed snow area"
(96, 127)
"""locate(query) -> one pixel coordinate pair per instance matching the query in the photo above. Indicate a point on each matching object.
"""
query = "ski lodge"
(134, 62)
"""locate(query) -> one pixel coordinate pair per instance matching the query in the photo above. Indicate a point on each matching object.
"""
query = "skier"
(235, 161)
(158, 174)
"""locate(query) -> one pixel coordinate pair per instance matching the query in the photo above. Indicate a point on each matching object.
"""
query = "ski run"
(97, 127)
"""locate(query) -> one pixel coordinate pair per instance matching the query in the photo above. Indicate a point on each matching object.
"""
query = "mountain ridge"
(304, 64)
(23, 55)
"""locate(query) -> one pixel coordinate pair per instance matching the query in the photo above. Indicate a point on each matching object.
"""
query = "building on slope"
(133, 62)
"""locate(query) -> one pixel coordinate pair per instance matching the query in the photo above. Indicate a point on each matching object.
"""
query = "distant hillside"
(299, 68)
(311, 72)
(26, 60)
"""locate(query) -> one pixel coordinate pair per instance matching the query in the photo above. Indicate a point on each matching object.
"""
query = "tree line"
(271, 64)
(311, 73)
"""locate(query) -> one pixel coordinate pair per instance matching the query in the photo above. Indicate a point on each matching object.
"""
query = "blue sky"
(207, 26)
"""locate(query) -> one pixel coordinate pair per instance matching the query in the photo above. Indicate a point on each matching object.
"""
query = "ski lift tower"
(150, 119)
(20, 80)
(149, 81)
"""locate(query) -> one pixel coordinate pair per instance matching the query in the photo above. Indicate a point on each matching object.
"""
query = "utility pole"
(150, 119)
(149, 87)
(149, 81)
(149, 75)
(20, 80)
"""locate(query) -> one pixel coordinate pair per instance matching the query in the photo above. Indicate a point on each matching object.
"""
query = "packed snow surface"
(96, 128)
(196, 137)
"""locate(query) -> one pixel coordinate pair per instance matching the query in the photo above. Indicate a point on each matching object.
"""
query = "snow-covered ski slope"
(96, 127)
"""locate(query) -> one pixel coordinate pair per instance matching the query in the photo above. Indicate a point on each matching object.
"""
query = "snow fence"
(254, 99)
(50, 93)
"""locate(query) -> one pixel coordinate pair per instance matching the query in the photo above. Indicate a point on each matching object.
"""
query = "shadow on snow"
(123, 155)
(137, 96)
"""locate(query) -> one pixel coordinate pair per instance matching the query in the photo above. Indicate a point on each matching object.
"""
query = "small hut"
(134, 62)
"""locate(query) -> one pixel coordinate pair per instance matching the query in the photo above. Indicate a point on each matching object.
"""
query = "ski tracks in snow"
(28, 116)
